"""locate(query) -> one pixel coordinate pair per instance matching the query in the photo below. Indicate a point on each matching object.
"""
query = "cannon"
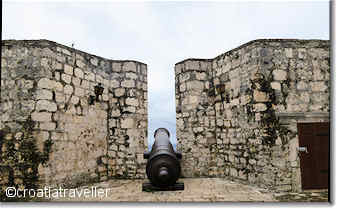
(163, 164)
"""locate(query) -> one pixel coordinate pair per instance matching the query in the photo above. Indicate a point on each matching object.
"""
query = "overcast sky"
(161, 34)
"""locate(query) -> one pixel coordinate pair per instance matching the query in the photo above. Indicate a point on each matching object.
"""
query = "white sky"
(163, 33)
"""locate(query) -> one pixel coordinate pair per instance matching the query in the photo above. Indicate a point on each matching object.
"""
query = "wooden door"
(315, 162)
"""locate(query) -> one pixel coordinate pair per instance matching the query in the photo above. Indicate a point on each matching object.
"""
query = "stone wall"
(49, 129)
(237, 114)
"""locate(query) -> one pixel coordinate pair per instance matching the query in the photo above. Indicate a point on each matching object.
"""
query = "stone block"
(127, 123)
(252, 161)
(44, 62)
(318, 75)
(259, 107)
(184, 77)
(45, 83)
(128, 84)
(182, 87)
(289, 52)
(79, 73)
(41, 116)
(99, 79)
(132, 101)
(192, 65)
(302, 53)
(283, 188)
(89, 76)
(80, 64)
(132, 76)
(116, 67)
(68, 89)
(275, 86)
(44, 94)
(85, 84)
(66, 78)
(57, 76)
(195, 85)
(68, 69)
(233, 172)
(79, 92)
(115, 113)
(46, 105)
(63, 50)
(74, 99)
(201, 76)
(280, 75)
(59, 97)
(76, 81)
(302, 85)
(119, 92)
(3, 63)
(49, 126)
(129, 67)
(318, 86)
(105, 97)
(260, 96)
(57, 86)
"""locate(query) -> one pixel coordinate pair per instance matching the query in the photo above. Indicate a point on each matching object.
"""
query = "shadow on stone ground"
(305, 196)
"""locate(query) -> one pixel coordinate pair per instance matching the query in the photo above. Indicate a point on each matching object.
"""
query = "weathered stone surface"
(45, 83)
(260, 96)
(289, 52)
(55, 94)
(128, 84)
(132, 101)
(78, 73)
(236, 107)
(80, 64)
(41, 116)
(280, 75)
(46, 105)
(66, 78)
(318, 86)
(129, 66)
(68, 69)
(275, 86)
(192, 65)
(89, 76)
(119, 92)
(127, 123)
(44, 94)
(79, 92)
(68, 89)
(195, 85)
(196, 190)
(260, 107)
(48, 126)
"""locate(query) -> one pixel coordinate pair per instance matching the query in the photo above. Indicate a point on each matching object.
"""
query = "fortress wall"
(195, 116)
(46, 115)
(258, 93)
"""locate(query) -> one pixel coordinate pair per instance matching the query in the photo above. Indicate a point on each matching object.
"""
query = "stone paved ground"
(306, 196)
(196, 190)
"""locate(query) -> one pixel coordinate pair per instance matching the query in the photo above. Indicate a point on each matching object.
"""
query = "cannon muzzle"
(163, 165)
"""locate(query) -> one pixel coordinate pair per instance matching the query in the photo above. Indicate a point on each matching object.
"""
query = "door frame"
(289, 121)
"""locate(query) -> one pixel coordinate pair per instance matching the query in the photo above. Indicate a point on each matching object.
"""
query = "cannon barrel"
(163, 165)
